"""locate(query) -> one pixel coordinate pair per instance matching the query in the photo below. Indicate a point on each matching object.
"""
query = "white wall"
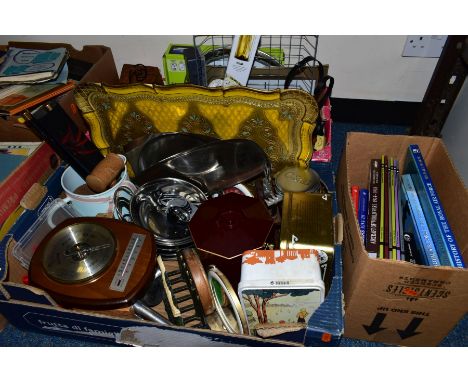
(455, 133)
(366, 67)
(371, 67)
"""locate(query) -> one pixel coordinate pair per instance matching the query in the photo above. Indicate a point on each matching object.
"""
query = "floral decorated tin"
(280, 288)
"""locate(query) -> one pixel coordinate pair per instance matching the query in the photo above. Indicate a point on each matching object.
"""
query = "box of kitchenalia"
(394, 301)
(185, 318)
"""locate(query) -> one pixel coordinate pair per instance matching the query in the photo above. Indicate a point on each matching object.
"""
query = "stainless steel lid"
(165, 206)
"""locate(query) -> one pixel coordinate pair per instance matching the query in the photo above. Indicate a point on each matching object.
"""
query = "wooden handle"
(105, 173)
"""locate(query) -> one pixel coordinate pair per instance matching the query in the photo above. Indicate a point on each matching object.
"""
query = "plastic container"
(57, 212)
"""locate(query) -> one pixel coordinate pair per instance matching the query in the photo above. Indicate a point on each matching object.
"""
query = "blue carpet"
(458, 337)
(341, 129)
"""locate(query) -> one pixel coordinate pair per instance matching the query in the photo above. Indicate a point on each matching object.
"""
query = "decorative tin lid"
(230, 224)
(281, 268)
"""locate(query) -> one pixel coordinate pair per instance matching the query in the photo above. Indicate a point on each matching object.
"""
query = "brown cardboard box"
(94, 63)
(32, 309)
(394, 301)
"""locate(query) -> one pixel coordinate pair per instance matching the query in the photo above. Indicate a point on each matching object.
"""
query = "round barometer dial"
(79, 252)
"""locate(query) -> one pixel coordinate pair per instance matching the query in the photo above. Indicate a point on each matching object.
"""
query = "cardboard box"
(30, 308)
(94, 63)
(175, 61)
(396, 302)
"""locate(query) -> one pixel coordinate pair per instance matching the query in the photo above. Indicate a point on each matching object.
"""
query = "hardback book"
(398, 222)
(392, 211)
(373, 220)
(38, 165)
(415, 223)
(19, 97)
(32, 65)
(12, 154)
(411, 254)
(384, 210)
(363, 211)
(444, 239)
(8, 163)
(355, 199)
(19, 148)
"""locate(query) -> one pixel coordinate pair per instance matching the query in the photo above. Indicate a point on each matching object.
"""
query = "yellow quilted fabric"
(280, 121)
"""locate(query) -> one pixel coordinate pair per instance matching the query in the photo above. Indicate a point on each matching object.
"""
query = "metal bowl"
(162, 146)
(163, 206)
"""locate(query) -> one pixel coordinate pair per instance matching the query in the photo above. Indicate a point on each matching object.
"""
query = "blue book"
(363, 211)
(415, 223)
(444, 240)
(32, 65)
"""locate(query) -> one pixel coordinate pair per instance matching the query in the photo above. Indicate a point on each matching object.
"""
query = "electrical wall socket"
(424, 46)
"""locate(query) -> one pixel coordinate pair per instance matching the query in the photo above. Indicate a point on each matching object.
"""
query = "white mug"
(92, 205)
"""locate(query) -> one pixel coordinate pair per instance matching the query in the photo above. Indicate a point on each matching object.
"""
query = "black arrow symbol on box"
(410, 330)
(375, 326)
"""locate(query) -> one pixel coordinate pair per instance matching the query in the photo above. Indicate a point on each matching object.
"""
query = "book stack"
(400, 215)
(30, 82)
(435, 242)
(379, 210)
(29, 77)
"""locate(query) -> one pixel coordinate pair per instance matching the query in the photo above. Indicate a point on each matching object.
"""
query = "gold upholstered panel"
(280, 121)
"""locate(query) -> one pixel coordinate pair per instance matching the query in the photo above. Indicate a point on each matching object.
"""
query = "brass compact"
(94, 263)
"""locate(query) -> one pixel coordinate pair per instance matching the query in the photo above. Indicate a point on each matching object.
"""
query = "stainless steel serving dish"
(164, 206)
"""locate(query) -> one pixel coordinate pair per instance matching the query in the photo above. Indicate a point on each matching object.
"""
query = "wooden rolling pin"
(105, 173)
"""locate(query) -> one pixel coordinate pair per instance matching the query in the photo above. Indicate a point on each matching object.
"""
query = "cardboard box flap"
(27, 294)
(349, 244)
(175, 336)
(455, 203)
(338, 224)
(4, 296)
(327, 317)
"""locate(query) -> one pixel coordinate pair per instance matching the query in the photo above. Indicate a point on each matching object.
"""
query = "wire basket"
(276, 56)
